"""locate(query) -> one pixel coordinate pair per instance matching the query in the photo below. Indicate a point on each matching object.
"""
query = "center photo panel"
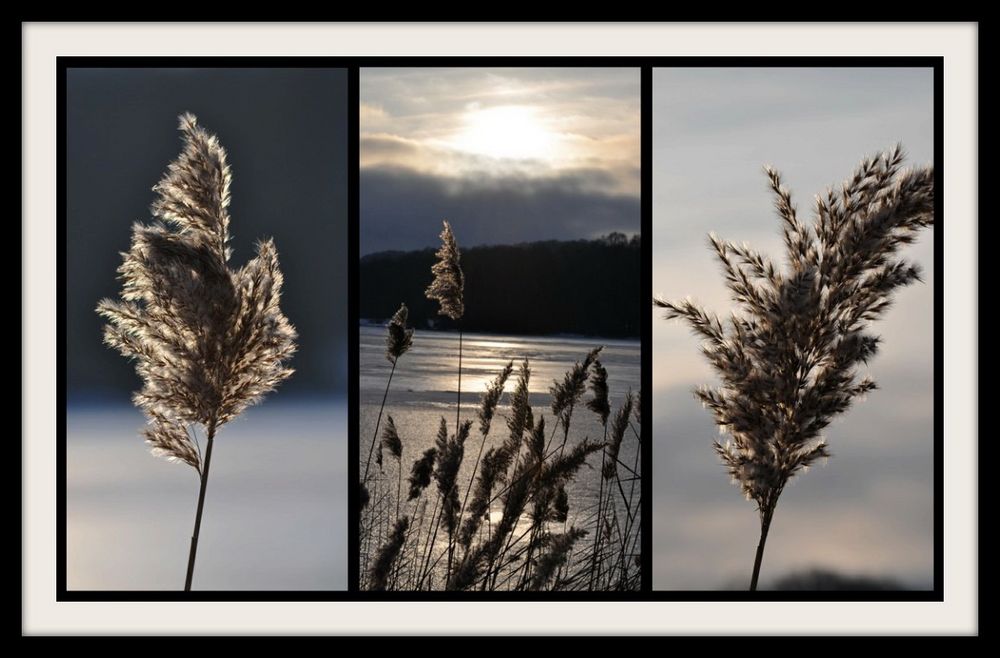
(500, 307)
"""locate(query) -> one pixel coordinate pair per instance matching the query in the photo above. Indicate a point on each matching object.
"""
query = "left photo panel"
(205, 225)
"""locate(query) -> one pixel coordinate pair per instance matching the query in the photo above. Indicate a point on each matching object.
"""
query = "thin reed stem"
(765, 526)
(371, 449)
(193, 554)
(600, 500)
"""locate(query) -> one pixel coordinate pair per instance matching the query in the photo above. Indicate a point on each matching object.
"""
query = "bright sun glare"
(510, 131)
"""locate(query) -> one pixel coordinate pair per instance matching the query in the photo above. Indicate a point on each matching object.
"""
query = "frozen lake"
(424, 388)
(275, 513)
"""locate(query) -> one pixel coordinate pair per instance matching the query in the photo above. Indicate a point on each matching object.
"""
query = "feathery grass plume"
(565, 394)
(420, 474)
(788, 360)
(448, 285)
(363, 495)
(560, 468)
(489, 474)
(470, 568)
(391, 440)
(618, 427)
(386, 558)
(560, 507)
(497, 460)
(519, 418)
(487, 408)
(399, 338)
(599, 387)
(637, 408)
(450, 454)
(513, 499)
(392, 443)
(208, 341)
(559, 547)
(536, 440)
(490, 399)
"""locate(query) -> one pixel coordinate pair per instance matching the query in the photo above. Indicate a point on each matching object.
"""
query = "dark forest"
(581, 287)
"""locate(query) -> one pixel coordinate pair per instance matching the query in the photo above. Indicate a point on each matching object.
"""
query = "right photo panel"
(793, 339)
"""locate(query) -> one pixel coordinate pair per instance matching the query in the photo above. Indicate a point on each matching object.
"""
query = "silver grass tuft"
(789, 359)
(387, 555)
(450, 452)
(565, 394)
(490, 399)
(618, 427)
(599, 387)
(421, 472)
(207, 341)
(448, 285)
(559, 547)
(399, 338)
(391, 440)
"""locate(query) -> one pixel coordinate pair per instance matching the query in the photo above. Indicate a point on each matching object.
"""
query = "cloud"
(371, 112)
(469, 122)
(402, 208)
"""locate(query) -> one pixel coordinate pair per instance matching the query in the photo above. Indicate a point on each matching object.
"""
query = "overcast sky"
(507, 155)
(869, 509)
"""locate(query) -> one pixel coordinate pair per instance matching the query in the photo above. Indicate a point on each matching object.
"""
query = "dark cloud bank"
(402, 209)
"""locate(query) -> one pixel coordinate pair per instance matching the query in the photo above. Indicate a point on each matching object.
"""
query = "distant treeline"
(586, 287)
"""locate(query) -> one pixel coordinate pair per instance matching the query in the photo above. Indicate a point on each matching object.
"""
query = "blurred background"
(275, 514)
(864, 519)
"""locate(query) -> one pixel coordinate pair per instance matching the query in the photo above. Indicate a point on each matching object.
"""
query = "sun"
(509, 131)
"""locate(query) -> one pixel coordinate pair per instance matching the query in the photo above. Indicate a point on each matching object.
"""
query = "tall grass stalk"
(789, 358)
(207, 341)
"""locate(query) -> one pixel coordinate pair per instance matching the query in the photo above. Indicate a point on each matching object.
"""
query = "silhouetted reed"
(789, 358)
(207, 341)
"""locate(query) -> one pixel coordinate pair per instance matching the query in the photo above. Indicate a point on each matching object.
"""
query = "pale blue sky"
(869, 510)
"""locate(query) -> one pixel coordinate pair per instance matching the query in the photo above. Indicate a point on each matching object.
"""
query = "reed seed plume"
(207, 340)
(561, 505)
(448, 286)
(450, 454)
(421, 472)
(490, 471)
(789, 358)
(490, 399)
(559, 547)
(383, 567)
(599, 387)
(560, 469)
(519, 418)
(487, 466)
(565, 394)
(399, 338)
(618, 427)
(391, 440)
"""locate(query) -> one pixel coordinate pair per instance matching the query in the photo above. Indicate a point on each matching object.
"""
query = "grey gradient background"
(275, 515)
(868, 510)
